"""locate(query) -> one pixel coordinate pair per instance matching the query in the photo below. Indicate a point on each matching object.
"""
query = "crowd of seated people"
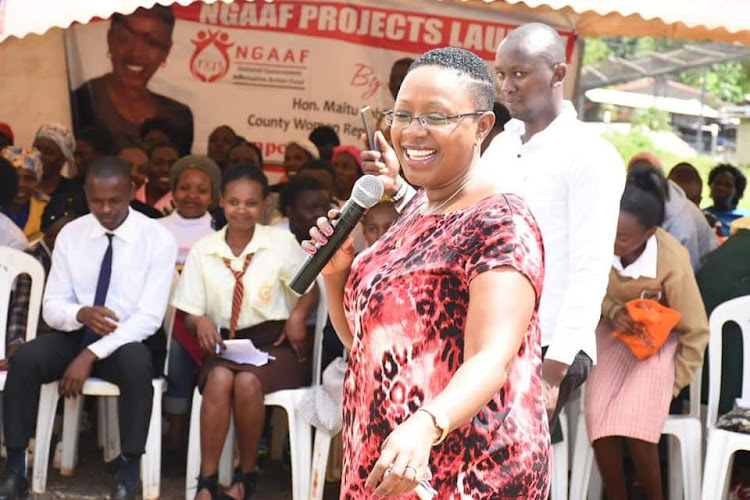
(235, 239)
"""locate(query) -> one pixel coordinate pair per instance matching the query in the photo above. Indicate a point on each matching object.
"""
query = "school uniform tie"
(102, 285)
(239, 292)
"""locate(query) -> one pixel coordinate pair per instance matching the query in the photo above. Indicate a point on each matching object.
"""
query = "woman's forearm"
(494, 333)
(473, 385)
(307, 302)
(335, 285)
(191, 323)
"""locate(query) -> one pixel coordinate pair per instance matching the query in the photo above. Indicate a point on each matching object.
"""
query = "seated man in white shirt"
(105, 300)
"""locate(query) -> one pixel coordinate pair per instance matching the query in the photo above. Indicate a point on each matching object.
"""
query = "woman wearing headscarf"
(56, 143)
(27, 207)
(296, 154)
(347, 164)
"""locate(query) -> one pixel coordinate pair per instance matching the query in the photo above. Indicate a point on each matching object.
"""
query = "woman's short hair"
(163, 144)
(246, 171)
(242, 142)
(740, 181)
(465, 63)
(159, 124)
(98, 137)
(319, 165)
(294, 188)
(161, 12)
(643, 196)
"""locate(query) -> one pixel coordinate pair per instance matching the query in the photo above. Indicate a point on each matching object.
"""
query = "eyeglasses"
(403, 119)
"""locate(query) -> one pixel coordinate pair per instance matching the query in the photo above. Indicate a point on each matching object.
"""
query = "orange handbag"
(659, 321)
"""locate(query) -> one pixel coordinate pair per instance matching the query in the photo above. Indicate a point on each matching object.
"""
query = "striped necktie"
(239, 292)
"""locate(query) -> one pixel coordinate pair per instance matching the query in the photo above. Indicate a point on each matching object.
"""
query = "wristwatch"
(440, 421)
(402, 189)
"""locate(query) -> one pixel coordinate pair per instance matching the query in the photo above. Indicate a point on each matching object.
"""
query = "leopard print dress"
(406, 301)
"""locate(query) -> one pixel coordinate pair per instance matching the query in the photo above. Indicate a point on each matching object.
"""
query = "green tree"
(729, 81)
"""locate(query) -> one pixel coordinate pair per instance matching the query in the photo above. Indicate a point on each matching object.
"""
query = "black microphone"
(367, 192)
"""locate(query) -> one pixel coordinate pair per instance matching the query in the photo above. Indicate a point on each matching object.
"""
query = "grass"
(635, 142)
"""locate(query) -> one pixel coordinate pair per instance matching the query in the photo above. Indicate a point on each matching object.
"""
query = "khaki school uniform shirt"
(206, 286)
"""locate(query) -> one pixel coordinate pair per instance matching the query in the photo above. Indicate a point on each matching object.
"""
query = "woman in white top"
(195, 183)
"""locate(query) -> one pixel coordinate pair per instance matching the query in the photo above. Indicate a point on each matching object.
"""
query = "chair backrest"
(736, 311)
(320, 323)
(169, 319)
(12, 264)
(695, 394)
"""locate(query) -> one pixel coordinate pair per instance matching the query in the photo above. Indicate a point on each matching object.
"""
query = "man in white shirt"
(106, 296)
(572, 180)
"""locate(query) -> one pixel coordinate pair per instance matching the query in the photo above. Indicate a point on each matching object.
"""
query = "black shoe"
(13, 486)
(249, 482)
(209, 483)
(123, 491)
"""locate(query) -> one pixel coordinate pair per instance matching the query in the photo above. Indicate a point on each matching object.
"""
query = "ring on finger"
(412, 468)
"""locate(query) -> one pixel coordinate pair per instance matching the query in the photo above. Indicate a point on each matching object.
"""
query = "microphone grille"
(367, 191)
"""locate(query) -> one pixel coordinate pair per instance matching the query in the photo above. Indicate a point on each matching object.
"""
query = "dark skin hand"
(295, 332)
(623, 323)
(553, 373)
(76, 374)
(208, 335)
(8, 354)
(100, 319)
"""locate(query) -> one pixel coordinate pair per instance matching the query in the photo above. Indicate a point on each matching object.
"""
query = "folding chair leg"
(71, 429)
(299, 444)
(321, 450)
(278, 433)
(151, 460)
(48, 398)
(101, 422)
(675, 464)
(112, 428)
(194, 447)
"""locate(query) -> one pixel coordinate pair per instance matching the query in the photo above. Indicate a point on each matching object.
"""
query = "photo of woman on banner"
(120, 101)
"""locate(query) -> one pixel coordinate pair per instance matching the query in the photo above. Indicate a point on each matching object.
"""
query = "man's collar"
(517, 127)
(125, 231)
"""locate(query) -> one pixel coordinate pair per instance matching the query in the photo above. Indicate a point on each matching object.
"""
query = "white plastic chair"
(559, 486)
(109, 433)
(723, 444)
(299, 429)
(12, 264)
(684, 442)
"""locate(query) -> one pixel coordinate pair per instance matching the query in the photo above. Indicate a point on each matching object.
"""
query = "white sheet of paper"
(244, 351)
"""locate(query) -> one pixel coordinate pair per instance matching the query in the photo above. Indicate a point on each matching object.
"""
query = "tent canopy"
(22, 17)
(717, 20)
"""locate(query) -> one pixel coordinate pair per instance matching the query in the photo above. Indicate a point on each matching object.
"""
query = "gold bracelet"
(440, 422)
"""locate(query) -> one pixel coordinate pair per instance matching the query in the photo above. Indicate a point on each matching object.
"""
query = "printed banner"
(271, 71)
